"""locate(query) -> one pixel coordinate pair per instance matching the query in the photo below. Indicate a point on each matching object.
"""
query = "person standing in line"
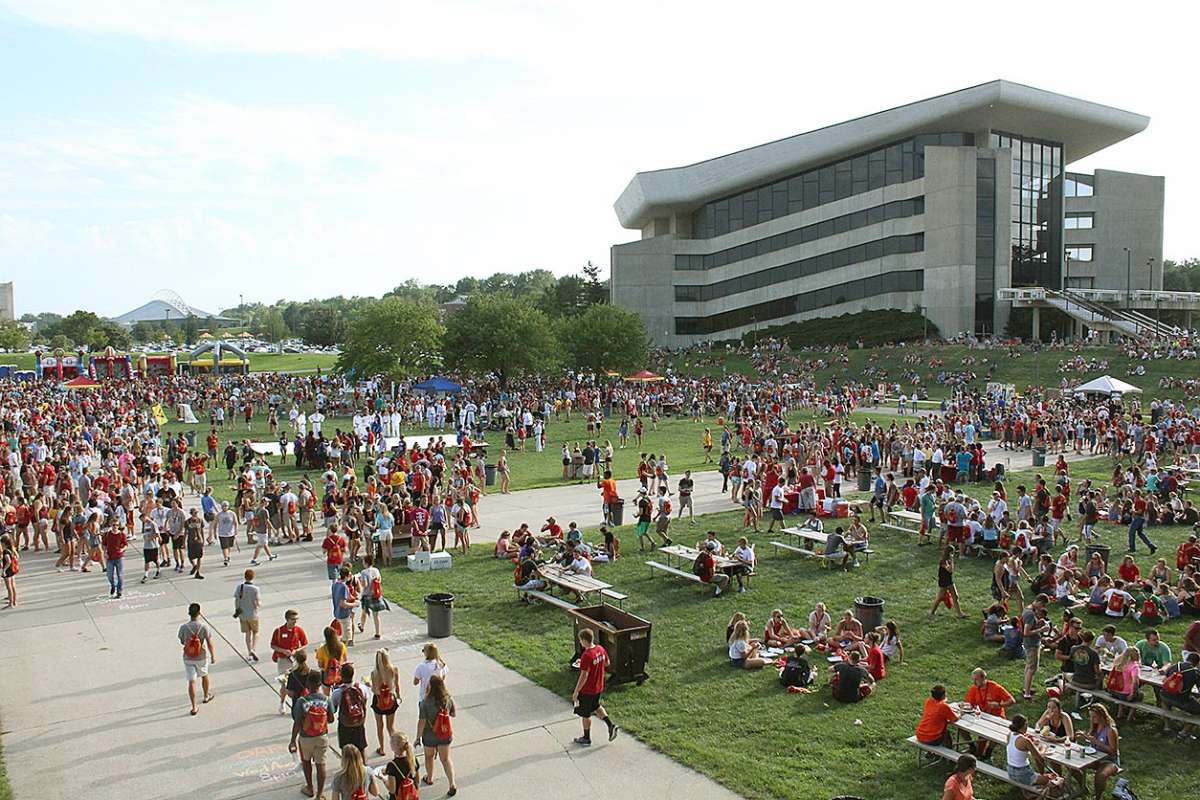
(345, 599)
(226, 524)
(193, 530)
(401, 773)
(1033, 624)
(174, 527)
(685, 487)
(195, 637)
(435, 731)
(286, 641)
(247, 601)
(310, 728)
(372, 599)
(115, 543)
(589, 688)
(385, 689)
(10, 565)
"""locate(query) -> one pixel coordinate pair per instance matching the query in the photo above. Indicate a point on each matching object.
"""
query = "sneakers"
(254, 562)
(282, 709)
(613, 730)
(717, 593)
(274, 556)
(583, 741)
(143, 579)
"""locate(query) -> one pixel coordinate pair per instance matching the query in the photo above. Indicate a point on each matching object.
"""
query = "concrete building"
(8, 311)
(936, 206)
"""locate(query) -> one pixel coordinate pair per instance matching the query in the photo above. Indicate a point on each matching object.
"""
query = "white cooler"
(419, 561)
(439, 560)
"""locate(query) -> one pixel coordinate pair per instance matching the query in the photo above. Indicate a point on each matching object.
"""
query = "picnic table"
(896, 518)
(1065, 759)
(582, 585)
(688, 555)
(807, 536)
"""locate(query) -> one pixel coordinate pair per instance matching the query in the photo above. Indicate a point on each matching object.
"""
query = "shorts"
(642, 527)
(1023, 775)
(685, 501)
(737, 663)
(956, 534)
(332, 571)
(262, 538)
(195, 669)
(195, 552)
(1185, 703)
(1033, 654)
(313, 748)
(588, 703)
(248, 625)
(388, 713)
(150, 556)
(226, 542)
(777, 514)
(355, 735)
(209, 516)
(283, 666)
(662, 524)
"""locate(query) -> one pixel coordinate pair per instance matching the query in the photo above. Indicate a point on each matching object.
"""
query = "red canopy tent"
(644, 376)
(82, 382)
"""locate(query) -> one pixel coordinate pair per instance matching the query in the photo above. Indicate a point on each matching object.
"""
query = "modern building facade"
(933, 206)
(8, 311)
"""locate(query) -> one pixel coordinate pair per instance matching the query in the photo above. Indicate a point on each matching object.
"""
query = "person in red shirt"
(1129, 571)
(115, 542)
(553, 528)
(1058, 511)
(593, 660)
(935, 719)
(991, 698)
(287, 640)
(876, 662)
(1187, 551)
(334, 546)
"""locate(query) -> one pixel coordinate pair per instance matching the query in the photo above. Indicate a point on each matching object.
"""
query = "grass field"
(1030, 369)
(740, 727)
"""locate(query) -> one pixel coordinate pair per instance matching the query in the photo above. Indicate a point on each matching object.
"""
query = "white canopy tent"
(1107, 385)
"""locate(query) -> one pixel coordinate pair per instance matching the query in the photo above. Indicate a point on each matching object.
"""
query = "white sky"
(302, 149)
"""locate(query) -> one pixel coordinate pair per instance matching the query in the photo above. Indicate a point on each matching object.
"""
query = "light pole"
(1128, 276)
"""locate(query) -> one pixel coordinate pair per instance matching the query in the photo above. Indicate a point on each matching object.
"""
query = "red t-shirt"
(594, 660)
(334, 546)
(114, 544)
(1129, 572)
(1058, 506)
(876, 663)
(287, 638)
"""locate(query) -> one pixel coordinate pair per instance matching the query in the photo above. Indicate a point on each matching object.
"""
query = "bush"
(873, 328)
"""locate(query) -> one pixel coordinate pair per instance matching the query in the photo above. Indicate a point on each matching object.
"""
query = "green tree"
(190, 329)
(606, 337)
(595, 290)
(414, 290)
(146, 331)
(87, 329)
(272, 327)
(41, 321)
(1181, 276)
(324, 327)
(60, 342)
(565, 298)
(393, 337)
(503, 335)
(14, 337)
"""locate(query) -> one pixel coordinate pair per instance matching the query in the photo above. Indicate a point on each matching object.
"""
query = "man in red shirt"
(586, 697)
(1058, 511)
(114, 541)
(991, 698)
(287, 640)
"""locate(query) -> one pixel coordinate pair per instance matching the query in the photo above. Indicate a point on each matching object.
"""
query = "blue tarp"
(438, 385)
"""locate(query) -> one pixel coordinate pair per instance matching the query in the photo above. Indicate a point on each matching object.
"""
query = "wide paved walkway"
(94, 702)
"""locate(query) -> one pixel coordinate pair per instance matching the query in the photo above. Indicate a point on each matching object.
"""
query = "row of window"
(1079, 186)
(1080, 252)
(895, 163)
(985, 243)
(1037, 170)
(891, 245)
(897, 209)
(904, 281)
(1083, 220)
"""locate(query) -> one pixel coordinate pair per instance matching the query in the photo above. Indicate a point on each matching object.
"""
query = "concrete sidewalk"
(94, 701)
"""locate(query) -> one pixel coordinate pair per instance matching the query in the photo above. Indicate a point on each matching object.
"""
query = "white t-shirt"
(426, 670)
(777, 496)
(738, 648)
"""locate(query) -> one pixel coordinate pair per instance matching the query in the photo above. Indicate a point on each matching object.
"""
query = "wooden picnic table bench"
(582, 585)
(914, 519)
(678, 573)
(545, 597)
(808, 539)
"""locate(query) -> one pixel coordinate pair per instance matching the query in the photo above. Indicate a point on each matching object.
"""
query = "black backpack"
(698, 565)
(796, 672)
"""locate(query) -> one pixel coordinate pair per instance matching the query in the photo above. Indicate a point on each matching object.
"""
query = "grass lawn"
(5, 788)
(1030, 369)
(741, 728)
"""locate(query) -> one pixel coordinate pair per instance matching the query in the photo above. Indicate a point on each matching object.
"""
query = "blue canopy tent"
(443, 385)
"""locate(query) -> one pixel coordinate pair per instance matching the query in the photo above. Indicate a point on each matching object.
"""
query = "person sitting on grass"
(705, 568)
(934, 726)
(850, 682)
(849, 631)
(1149, 609)
(993, 618)
(798, 671)
(744, 653)
(779, 632)
(889, 642)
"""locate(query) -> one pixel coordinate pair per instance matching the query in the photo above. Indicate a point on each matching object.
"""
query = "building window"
(1079, 186)
(896, 163)
(1079, 221)
(985, 245)
(1037, 207)
(1082, 252)
(886, 283)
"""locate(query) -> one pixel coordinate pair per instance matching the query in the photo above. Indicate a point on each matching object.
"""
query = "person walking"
(351, 698)
(115, 541)
(193, 531)
(436, 732)
(1137, 524)
(354, 781)
(345, 599)
(311, 713)
(247, 600)
(372, 599)
(10, 565)
(262, 534)
(286, 641)
(385, 689)
(151, 542)
(586, 698)
(226, 524)
(195, 637)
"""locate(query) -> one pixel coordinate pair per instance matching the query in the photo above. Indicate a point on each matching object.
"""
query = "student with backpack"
(386, 699)
(345, 599)
(797, 671)
(436, 731)
(370, 580)
(351, 699)
(195, 637)
(330, 657)
(311, 713)
(354, 780)
(402, 773)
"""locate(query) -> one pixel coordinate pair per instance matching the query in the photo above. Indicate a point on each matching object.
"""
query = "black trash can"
(1039, 456)
(1103, 550)
(439, 615)
(864, 480)
(616, 510)
(869, 611)
(489, 474)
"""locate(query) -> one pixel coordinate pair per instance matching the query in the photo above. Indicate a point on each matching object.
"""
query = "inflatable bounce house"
(59, 366)
(157, 366)
(218, 358)
(110, 365)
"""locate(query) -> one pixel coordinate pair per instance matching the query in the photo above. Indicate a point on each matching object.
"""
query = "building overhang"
(1081, 126)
